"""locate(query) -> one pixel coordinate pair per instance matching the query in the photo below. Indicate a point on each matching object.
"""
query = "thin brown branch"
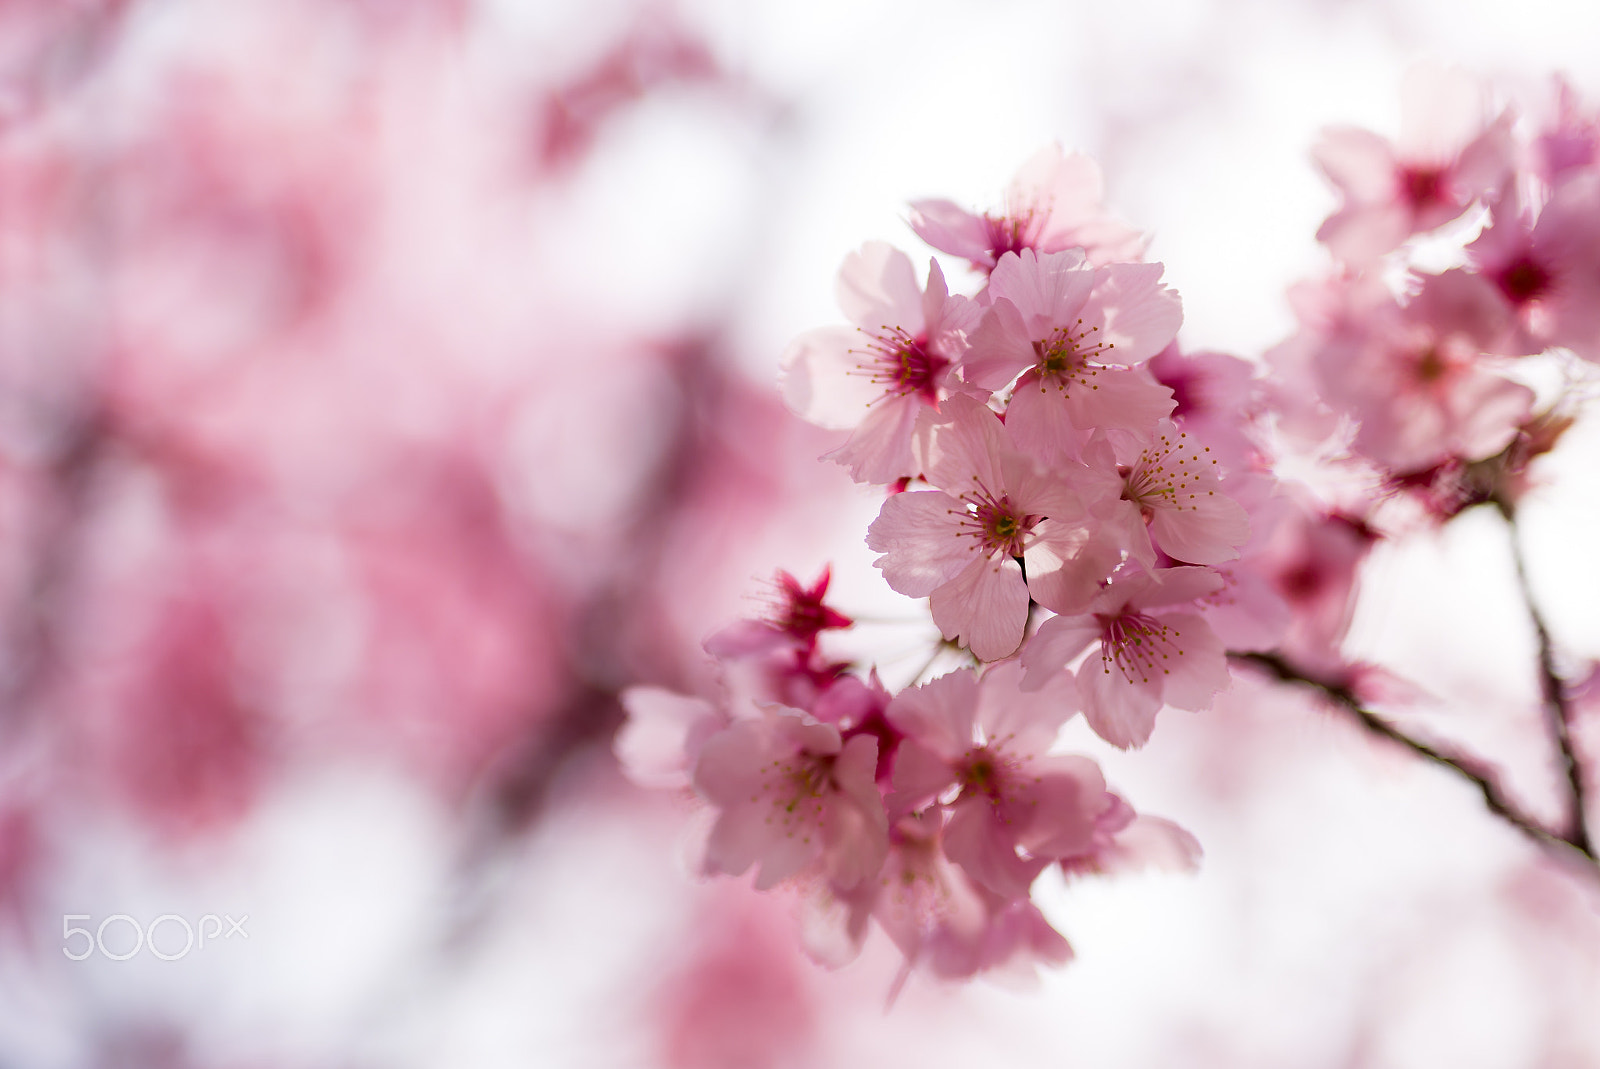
(1468, 768)
(1558, 710)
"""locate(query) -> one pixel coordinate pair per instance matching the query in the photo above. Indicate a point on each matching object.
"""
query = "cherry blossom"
(1568, 142)
(1074, 333)
(790, 792)
(1546, 271)
(776, 656)
(875, 380)
(1448, 155)
(1172, 497)
(1154, 649)
(959, 544)
(1053, 204)
(1017, 807)
(1414, 375)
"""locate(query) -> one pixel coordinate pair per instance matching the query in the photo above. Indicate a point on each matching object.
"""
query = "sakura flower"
(1017, 807)
(1015, 938)
(938, 917)
(1073, 332)
(1313, 560)
(791, 792)
(875, 379)
(1054, 203)
(1569, 140)
(1172, 497)
(1548, 272)
(776, 656)
(1448, 155)
(1125, 841)
(799, 616)
(1247, 612)
(1414, 375)
(959, 544)
(917, 892)
(1148, 657)
(1216, 398)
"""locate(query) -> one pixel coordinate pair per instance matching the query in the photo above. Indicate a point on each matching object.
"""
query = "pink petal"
(1120, 398)
(1048, 291)
(1197, 676)
(652, 745)
(1060, 807)
(1001, 347)
(1360, 233)
(1177, 586)
(1067, 561)
(985, 608)
(1206, 527)
(879, 451)
(938, 714)
(822, 381)
(1025, 722)
(962, 445)
(877, 288)
(1057, 642)
(1040, 421)
(920, 776)
(983, 846)
(1359, 163)
(1147, 843)
(1136, 314)
(730, 761)
(918, 534)
(950, 228)
(1121, 711)
(1248, 613)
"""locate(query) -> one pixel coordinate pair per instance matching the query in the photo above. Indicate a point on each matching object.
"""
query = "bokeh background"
(386, 384)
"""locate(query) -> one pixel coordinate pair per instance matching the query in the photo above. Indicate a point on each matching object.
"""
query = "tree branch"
(1558, 710)
(1468, 768)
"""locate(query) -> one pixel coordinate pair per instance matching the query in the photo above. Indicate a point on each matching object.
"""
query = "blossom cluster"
(1098, 520)
(1462, 250)
(1071, 532)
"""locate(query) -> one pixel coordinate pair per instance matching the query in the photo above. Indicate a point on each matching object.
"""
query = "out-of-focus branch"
(1558, 710)
(1467, 767)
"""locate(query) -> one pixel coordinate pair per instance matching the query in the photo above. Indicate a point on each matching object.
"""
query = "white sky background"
(1351, 912)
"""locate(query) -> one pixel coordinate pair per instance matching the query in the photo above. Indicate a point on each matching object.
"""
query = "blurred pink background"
(385, 384)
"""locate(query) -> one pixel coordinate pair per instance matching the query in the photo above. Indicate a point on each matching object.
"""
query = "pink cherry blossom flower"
(958, 544)
(1171, 497)
(1448, 155)
(776, 657)
(1073, 332)
(791, 792)
(1414, 374)
(1569, 140)
(938, 917)
(1148, 657)
(1247, 611)
(1054, 203)
(1313, 560)
(1125, 841)
(1217, 398)
(875, 379)
(1017, 807)
(1015, 938)
(1547, 272)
